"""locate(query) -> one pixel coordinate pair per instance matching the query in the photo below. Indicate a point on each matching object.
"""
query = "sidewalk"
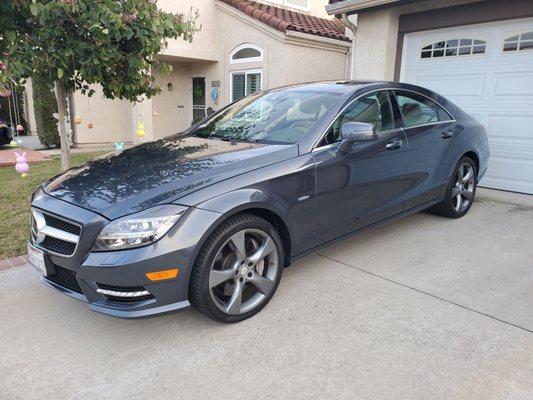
(8, 157)
(13, 262)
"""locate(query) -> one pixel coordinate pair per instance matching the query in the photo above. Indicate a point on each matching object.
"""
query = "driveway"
(424, 308)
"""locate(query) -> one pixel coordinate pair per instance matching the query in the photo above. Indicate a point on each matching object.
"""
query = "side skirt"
(385, 221)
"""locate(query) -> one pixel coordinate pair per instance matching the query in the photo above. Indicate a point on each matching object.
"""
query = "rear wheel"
(238, 269)
(460, 192)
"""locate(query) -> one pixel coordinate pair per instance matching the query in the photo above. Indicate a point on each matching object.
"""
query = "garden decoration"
(119, 147)
(214, 94)
(77, 119)
(13, 143)
(20, 128)
(22, 166)
(90, 125)
(140, 129)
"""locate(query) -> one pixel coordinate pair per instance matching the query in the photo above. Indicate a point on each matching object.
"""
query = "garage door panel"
(468, 85)
(516, 83)
(495, 87)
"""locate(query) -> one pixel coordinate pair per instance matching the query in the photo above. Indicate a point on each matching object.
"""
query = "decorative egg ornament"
(90, 125)
(24, 175)
(77, 119)
(20, 128)
(140, 129)
(13, 143)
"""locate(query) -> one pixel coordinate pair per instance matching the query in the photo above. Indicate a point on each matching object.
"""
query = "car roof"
(338, 86)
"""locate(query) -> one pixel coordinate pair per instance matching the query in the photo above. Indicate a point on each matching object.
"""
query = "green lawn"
(15, 195)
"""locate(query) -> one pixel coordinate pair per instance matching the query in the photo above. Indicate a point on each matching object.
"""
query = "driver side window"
(374, 108)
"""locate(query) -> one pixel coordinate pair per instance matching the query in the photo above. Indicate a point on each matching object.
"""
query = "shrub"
(45, 105)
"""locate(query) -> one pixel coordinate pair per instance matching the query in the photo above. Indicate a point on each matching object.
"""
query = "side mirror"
(356, 132)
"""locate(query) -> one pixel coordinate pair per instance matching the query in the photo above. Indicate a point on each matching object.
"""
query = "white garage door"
(487, 70)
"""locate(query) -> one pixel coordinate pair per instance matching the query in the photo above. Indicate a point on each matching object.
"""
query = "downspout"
(353, 28)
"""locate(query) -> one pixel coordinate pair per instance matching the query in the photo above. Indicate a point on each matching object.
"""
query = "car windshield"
(273, 117)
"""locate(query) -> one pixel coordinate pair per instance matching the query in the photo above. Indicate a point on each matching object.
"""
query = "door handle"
(394, 145)
(447, 134)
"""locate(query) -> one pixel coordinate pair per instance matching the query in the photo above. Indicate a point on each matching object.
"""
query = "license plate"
(36, 259)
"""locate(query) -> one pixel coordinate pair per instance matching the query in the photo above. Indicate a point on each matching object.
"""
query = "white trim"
(244, 72)
(289, 4)
(354, 5)
(245, 60)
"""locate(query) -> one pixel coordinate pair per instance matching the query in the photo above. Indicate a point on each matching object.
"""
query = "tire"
(243, 255)
(461, 186)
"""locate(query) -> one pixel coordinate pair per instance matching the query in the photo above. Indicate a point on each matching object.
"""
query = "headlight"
(139, 229)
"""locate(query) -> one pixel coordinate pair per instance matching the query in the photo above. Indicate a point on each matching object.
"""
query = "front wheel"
(460, 192)
(237, 270)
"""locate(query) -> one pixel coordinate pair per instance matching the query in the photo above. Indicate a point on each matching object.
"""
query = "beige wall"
(375, 46)
(28, 107)
(111, 119)
(204, 45)
(319, 64)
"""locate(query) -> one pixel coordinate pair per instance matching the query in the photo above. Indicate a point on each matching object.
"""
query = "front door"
(198, 99)
(365, 185)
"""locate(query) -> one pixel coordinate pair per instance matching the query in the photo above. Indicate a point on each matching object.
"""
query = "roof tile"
(283, 20)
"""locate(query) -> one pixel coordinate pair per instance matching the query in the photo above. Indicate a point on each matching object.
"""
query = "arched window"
(246, 52)
(523, 41)
(454, 47)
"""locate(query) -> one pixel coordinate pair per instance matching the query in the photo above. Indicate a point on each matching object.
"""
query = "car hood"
(160, 172)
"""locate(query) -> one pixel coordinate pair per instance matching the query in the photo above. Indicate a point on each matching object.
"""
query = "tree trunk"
(61, 97)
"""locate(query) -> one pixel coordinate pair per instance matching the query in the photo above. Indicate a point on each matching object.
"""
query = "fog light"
(162, 275)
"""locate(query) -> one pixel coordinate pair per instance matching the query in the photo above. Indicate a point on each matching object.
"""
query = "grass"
(15, 193)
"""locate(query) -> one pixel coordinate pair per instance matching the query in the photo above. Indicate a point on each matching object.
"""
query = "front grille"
(65, 277)
(125, 289)
(61, 224)
(54, 234)
(58, 245)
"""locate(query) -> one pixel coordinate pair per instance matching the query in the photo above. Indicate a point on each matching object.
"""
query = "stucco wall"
(111, 119)
(375, 47)
(319, 64)
(204, 45)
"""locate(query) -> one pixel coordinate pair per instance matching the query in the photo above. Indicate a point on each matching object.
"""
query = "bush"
(45, 105)
(4, 109)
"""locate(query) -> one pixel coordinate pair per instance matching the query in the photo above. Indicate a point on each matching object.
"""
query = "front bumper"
(84, 272)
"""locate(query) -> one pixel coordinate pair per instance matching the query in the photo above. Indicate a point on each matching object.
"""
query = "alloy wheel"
(243, 272)
(463, 189)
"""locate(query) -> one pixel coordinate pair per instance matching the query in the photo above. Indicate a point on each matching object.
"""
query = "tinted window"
(419, 110)
(374, 108)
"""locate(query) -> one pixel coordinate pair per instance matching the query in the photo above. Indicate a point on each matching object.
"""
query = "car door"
(366, 184)
(433, 138)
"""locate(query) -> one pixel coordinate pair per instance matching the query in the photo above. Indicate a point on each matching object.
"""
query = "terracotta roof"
(286, 20)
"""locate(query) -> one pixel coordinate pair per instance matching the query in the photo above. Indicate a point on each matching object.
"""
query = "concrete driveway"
(424, 308)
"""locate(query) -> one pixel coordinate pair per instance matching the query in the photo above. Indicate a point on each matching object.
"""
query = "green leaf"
(60, 73)
(34, 9)
(11, 36)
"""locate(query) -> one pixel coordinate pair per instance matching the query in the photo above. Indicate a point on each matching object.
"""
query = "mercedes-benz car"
(211, 217)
